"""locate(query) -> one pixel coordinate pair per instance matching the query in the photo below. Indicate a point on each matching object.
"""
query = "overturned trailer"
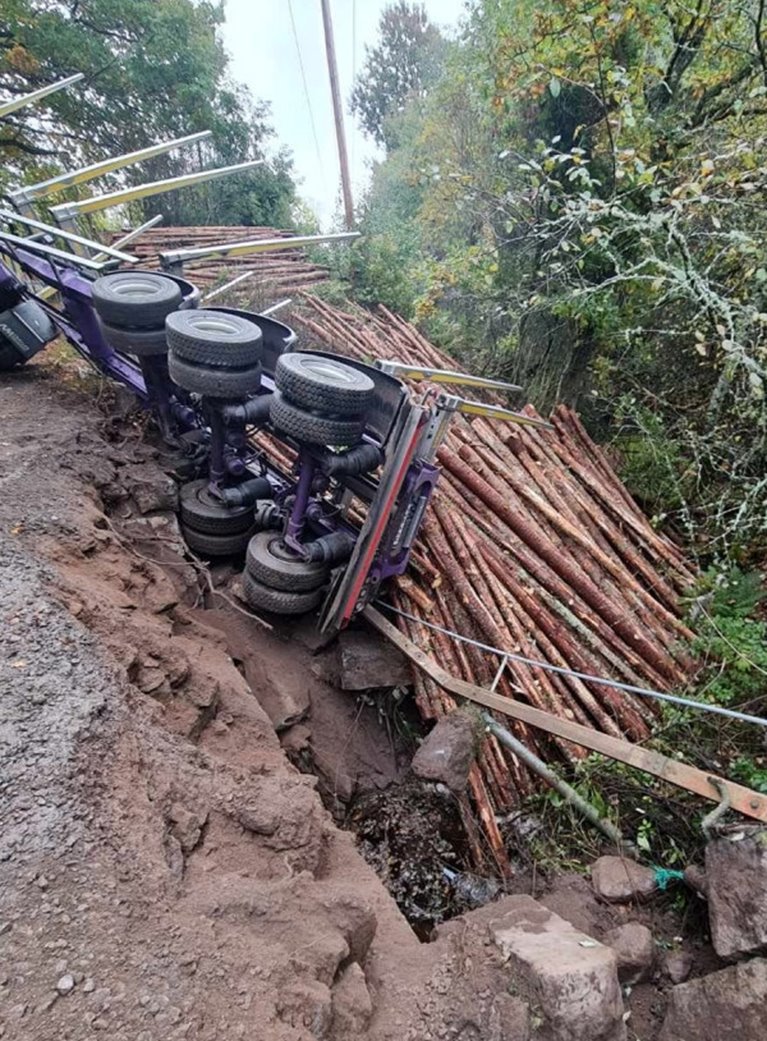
(336, 523)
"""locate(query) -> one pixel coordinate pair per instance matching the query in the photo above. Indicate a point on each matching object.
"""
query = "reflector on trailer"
(26, 195)
(10, 217)
(241, 249)
(71, 210)
(6, 107)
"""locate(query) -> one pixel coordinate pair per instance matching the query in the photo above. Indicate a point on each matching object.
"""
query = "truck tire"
(226, 384)
(215, 339)
(263, 598)
(135, 299)
(208, 545)
(272, 563)
(314, 430)
(323, 385)
(143, 343)
(207, 515)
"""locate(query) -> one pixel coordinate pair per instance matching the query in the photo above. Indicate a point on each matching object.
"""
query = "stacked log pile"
(283, 271)
(533, 545)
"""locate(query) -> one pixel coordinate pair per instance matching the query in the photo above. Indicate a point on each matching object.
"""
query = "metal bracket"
(6, 107)
(71, 210)
(55, 254)
(24, 197)
(130, 236)
(176, 257)
(477, 408)
(16, 218)
(463, 379)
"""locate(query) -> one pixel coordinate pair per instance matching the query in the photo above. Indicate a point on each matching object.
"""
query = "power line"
(306, 90)
(646, 692)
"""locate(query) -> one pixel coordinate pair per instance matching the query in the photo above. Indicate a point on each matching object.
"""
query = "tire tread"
(263, 598)
(313, 429)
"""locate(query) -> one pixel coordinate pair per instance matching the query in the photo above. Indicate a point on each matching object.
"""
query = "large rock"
(448, 751)
(736, 887)
(620, 881)
(634, 948)
(569, 978)
(365, 660)
(730, 1005)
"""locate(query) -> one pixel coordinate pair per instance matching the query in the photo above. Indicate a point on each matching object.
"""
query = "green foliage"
(730, 642)
(155, 69)
(652, 463)
(730, 594)
(263, 196)
(660, 820)
(373, 268)
(750, 771)
(400, 67)
(576, 201)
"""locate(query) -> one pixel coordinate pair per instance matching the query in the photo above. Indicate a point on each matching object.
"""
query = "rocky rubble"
(570, 978)
(736, 889)
(621, 881)
(721, 1005)
(729, 1005)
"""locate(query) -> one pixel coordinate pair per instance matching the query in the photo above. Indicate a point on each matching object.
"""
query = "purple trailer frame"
(396, 500)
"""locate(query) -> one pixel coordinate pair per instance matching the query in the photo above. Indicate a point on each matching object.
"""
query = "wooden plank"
(745, 800)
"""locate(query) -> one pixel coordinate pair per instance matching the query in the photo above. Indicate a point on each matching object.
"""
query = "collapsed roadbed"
(167, 872)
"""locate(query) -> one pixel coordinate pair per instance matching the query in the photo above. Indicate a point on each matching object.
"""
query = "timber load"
(283, 272)
(531, 544)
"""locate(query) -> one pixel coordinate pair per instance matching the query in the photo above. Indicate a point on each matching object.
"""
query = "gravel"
(65, 984)
(42, 716)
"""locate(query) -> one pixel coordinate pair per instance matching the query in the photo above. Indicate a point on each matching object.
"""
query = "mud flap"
(27, 328)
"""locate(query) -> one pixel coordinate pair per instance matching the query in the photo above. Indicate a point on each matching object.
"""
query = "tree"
(582, 189)
(405, 62)
(153, 69)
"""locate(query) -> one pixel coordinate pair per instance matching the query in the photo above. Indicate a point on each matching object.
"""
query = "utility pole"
(343, 159)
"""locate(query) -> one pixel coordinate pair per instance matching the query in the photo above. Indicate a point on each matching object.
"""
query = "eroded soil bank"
(170, 864)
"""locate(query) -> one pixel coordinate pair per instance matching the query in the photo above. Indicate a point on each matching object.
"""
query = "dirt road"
(165, 872)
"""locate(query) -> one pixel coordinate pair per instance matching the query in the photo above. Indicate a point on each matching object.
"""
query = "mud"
(174, 773)
(166, 872)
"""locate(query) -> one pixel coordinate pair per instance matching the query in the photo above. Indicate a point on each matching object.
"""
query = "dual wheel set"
(275, 578)
(217, 355)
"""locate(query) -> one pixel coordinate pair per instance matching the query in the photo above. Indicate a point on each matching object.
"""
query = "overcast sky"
(259, 37)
